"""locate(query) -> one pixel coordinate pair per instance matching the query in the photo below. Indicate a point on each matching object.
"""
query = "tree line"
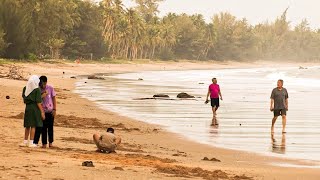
(32, 29)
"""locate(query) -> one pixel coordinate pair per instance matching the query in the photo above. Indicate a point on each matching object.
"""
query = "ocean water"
(244, 116)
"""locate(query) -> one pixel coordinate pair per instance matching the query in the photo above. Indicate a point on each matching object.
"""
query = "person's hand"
(43, 95)
(271, 109)
(286, 108)
(221, 98)
(43, 116)
(207, 101)
(54, 113)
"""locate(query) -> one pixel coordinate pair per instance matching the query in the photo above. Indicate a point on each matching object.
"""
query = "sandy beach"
(147, 151)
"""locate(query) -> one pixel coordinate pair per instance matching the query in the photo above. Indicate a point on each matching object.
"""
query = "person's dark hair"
(281, 81)
(110, 130)
(214, 79)
(43, 79)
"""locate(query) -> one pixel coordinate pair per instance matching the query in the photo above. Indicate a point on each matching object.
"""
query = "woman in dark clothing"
(34, 113)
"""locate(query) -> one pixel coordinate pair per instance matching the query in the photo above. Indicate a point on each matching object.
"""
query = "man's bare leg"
(215, 113)
(214, 116)
(274, 119)
(96, 138)
(284, 123)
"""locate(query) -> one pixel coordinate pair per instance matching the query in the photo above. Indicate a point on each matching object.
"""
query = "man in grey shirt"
(279, 104)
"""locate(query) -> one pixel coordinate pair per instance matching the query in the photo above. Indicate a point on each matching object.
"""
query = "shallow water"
(244, 116)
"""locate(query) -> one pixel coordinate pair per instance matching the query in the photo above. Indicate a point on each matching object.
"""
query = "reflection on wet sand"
(214, 130)
(278, 147)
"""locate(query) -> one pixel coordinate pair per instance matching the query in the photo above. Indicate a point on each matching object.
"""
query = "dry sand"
(147, 151)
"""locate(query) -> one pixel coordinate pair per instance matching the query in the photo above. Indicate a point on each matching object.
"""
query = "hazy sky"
(254, 10)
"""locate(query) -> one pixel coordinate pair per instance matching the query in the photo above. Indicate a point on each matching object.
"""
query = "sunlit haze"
(255, 11)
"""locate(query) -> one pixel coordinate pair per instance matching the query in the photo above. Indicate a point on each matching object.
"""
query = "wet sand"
(243, 115)
(147, 152)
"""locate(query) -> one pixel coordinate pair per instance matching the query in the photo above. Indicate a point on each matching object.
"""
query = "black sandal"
(88, 164)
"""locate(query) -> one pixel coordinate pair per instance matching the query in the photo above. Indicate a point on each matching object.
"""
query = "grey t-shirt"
(279, 97)
(107, 142)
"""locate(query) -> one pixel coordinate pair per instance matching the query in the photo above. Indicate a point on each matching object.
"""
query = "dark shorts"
(215, 102)
(279, 112)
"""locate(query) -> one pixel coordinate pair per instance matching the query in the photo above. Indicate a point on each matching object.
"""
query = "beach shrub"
(32, 57)
(3, 44)
(166, 54)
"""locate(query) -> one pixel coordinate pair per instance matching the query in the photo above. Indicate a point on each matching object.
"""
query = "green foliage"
(15, 25)
(86, 37)
(32, 57)
(3, 44)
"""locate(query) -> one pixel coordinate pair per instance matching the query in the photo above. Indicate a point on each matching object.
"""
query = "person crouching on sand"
(107, 142)
(34, 113)
(214, 92)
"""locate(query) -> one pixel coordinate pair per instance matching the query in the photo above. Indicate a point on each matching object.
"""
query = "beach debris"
(63, 72)
(184, 95)
(205, 159)
(88, 164)
(140, 79)
(188, 172)
(300, 67)
(118, 168)
(95, 77)
(201, 83)
(183, 154)
(85, 82)
(18, 116)
(240, 124)
(161, 95)
(155, 98)
(241, 177)
(143, 98)
(130, 129)
(212, 159)
(15, 72)
(7, 97)
(73, 77)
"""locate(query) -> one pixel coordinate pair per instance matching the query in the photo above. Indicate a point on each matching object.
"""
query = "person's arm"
(54, 105)
(41, 109)
(271, 104)
(54, 101)
(207, 96)
(287, 103)
(38, 100)
(43, 95)
(220, 95)
(118, 140)
(272, 100)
